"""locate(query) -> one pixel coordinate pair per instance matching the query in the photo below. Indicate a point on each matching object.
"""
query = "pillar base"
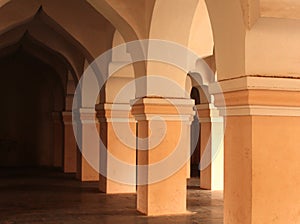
(86, 172)
(167, 197)
(112, 187)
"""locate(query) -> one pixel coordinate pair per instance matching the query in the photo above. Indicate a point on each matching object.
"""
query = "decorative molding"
(250, 110)
(207, 112)
(257, 96)
(117, 120)
(67, 117)
(211, 120)
(163, 101)
(255, 83)
(168, 109)
(120, 113)
(115, 106)
(163, 117)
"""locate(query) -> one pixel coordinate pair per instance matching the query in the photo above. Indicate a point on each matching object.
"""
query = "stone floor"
(50, 197)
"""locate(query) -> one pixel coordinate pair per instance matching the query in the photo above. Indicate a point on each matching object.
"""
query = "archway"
(30, 92)
(195, 136)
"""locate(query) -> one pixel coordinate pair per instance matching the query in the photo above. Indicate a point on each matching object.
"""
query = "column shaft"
(70, 146)
(118, 134)
(163, 152)
(261, 150)
(211, 148)
(58, 139)
(86, 169)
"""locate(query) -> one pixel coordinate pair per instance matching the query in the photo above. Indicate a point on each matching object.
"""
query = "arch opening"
(195, 134)
(30, 91)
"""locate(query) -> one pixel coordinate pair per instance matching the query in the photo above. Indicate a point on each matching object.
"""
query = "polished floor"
(50, 197)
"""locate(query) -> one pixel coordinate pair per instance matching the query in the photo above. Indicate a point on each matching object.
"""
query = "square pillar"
(70, 146)
(262, 169)
(118, 151)
(163, 153)
(58, 139)
(88, 155)
(211, 147)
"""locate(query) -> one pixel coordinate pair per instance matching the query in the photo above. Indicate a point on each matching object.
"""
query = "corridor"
(49, 196)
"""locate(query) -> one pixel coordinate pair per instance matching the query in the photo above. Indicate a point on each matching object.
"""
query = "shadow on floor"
(47, 196)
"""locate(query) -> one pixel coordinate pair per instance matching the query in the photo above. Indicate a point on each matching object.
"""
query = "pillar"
(189, 142)
(70, 146)
(262, 169)
(118, 134)
(58, 139)
(163, 153)
(87, 170)
(211, 147)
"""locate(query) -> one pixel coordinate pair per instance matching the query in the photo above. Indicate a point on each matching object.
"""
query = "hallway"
(132, 98)
(48, 196)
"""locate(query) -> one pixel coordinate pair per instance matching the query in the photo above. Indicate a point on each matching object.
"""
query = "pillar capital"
(114, 112)
(257, 96)
(67, 117)
(87, 115)
(262, 125)
(171, 109)
(207, 112)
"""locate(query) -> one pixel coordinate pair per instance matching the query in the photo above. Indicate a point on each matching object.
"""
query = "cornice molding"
(255, 83)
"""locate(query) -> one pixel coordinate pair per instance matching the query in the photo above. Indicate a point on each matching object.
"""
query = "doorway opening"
(195, 136)
(30, 92)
